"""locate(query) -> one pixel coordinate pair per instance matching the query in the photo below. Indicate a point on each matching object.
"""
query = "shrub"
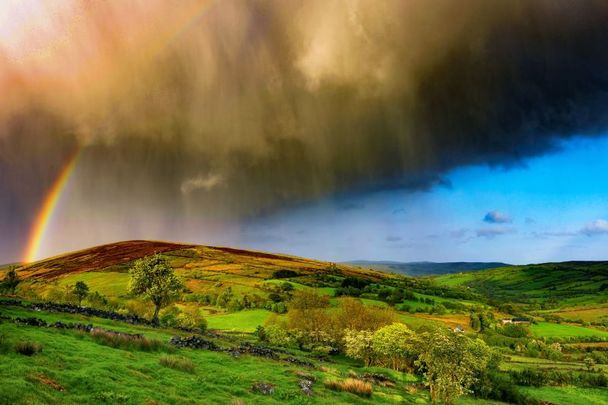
(28, 348)
(284, 274)
(359, 345)
(111, 397)
(126, 342)
(177, 363)
(191, 318)
(394, 344)
(5, 346)
(354, 386)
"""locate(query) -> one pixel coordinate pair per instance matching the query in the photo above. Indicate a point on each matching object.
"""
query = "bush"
(125, 341)
(177, 363)
(28, 348)
(514, 330)
(284, 274)
(354, 386)
(5, 346)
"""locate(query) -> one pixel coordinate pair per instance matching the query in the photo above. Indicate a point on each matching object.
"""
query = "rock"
(263, 388)
(306, 386)
(193, 342)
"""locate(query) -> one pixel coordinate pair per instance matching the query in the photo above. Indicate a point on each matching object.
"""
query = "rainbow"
(49, 204)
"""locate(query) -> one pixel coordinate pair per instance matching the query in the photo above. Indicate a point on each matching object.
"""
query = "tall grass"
(354, 386)
(28, 348)
(177, 363)
(127, 342)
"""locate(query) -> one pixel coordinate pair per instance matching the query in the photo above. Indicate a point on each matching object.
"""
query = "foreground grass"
(569, 395)
(73, 369)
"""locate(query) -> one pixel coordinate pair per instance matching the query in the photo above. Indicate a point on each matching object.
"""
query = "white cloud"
(597, 227)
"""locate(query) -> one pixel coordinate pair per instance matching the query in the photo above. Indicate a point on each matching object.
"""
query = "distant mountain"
(417, 269)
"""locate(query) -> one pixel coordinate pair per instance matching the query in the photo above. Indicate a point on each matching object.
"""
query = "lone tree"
(152, 278)
(11, 280)
(81, 291)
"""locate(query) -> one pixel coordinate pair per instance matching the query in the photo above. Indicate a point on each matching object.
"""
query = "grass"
(242, 321)
(127, 342)
(177, 363)
(74, 368)
(111, 284)
(569, 395)
(354, 386)
(562, 330)
(569, 282)
(28, 348)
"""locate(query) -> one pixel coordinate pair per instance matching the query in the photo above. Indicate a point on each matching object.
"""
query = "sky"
(549, 208)
(333, 129)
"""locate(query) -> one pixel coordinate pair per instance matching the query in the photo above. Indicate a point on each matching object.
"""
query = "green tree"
(81, 291)
(358, 344)
(152, 278)
(450, 363)
(308, 299)
(395, 345)
(11, 280)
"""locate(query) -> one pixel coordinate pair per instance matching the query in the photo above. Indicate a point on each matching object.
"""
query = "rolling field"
(570, 395)
(546, 329)
(209, 273)
(571, 283)
(243, 321)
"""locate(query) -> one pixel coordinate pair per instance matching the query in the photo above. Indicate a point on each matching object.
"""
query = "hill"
(118, 257)
(235, 334)
(416, 269)
(567, 282)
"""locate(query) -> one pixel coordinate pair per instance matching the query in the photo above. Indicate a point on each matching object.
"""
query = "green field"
(570, 395)
(571, 283)
(74, 367)
(546, 329)
(243, 321)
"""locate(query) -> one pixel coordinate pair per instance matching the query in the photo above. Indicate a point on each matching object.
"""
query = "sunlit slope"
(196, 262)
(564, 282)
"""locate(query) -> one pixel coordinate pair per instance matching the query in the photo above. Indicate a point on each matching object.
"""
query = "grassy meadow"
(248, 300)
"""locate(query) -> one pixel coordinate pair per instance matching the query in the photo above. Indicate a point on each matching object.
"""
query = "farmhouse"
(517, 320)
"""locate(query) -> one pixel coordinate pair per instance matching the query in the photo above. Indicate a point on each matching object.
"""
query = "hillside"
(567, 282)
(118, 257)
(416, 269)
(236, 336)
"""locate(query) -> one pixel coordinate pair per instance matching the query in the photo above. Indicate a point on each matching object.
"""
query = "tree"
(152, 278)
(450, 363)
(395, 345)
(352, 314)
(11, 280)
(308, 299)
(358, 344)
(80, 290)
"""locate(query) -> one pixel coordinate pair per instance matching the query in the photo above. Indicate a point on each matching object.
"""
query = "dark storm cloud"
(258, 105)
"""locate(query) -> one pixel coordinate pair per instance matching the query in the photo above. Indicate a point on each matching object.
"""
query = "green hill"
(567, 282)
(426, 268)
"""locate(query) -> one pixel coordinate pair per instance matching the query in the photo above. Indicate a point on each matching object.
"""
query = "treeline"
(450, 364)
